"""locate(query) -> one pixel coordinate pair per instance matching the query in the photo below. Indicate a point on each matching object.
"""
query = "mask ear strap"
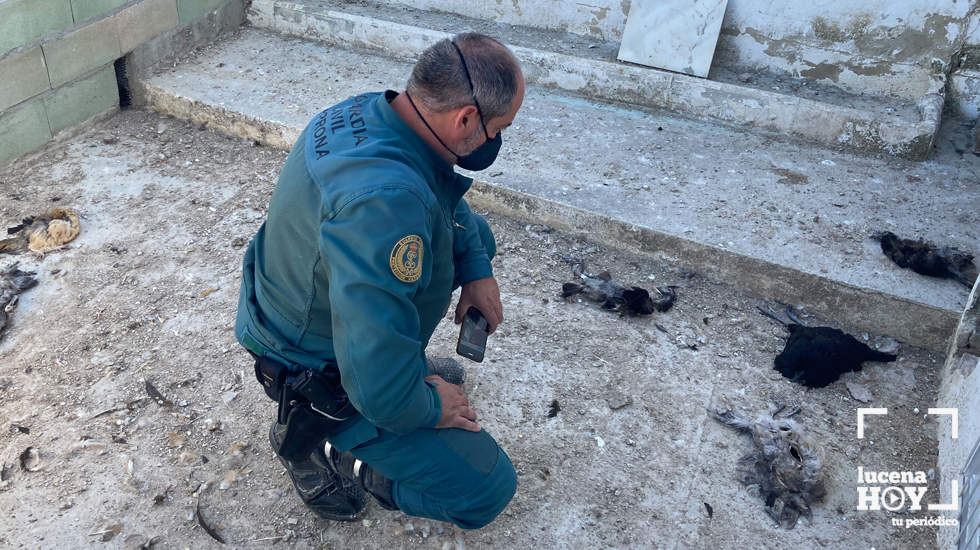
(443, 143)
(472, 89)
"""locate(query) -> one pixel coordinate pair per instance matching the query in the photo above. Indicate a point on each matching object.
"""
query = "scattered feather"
(30, 460)
(176, 439)
(204, 524)
(554, 409)
(6, 472)
(155, 394)
(107, 532)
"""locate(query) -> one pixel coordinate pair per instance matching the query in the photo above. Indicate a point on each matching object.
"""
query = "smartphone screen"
(473, 335)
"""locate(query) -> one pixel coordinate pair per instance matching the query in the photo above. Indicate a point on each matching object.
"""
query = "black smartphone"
(473, 335)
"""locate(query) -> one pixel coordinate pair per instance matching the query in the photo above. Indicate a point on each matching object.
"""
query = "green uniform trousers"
(445, 474)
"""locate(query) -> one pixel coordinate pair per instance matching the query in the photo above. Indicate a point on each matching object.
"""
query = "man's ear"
(465, 117)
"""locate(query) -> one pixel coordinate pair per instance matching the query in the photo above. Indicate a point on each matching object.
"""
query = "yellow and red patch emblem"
(406, 259)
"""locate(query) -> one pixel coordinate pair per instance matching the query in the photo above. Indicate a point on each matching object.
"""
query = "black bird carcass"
(927, 259)
(13, 281)
(783, 467)
(818, 356)
(613, 296)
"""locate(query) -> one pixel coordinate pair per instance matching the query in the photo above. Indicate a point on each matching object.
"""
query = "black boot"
(366, 477)
(448, 368)
(328, 495)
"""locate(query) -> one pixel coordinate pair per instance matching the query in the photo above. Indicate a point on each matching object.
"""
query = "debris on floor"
(858, 391)
(30, 460)
(618, 400)
(211, 531)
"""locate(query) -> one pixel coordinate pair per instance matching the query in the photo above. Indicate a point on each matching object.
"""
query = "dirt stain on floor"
(790, 177)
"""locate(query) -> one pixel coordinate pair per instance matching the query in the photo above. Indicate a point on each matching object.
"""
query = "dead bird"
(784, 468)
(42, 233)
(927, 259)
(610, 295)
(818, 356)
(13, 281)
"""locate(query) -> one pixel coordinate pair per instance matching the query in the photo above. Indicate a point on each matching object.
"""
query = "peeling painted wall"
(971, 40)
(893, 47)
(964, 83)
(602, 19)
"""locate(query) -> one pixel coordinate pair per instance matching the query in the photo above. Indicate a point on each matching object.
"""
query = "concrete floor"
(148, 291)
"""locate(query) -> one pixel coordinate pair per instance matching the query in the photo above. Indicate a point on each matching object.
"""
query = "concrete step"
(779, 218)
(574, 63)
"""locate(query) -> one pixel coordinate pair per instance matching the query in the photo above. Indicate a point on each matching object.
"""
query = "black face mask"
(483, 156)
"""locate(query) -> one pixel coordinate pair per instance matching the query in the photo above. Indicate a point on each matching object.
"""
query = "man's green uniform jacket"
(366, 235)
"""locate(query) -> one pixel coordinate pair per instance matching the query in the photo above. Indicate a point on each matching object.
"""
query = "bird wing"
(13, 245)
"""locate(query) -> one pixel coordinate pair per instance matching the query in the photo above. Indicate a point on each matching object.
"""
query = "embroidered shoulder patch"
(406, 259)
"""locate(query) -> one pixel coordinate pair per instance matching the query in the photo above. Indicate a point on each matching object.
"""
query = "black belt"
(322, 390)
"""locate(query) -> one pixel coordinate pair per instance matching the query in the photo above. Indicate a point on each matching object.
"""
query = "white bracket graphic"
(954, 494)
(955, 414)
(865, 411)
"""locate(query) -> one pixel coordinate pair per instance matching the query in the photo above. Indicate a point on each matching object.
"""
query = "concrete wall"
(895, 47)
(601, 19)
(56, 58)
(960, 388)
(964, 83)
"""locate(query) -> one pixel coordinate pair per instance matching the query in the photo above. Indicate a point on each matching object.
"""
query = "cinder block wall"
(57, 56)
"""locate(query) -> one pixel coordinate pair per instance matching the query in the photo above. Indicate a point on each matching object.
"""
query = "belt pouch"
(305, 429)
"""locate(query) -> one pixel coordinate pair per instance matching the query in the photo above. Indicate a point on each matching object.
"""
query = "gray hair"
(438, 80)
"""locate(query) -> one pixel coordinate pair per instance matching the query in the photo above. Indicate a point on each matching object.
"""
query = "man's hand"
(456, 411)
(484, 295)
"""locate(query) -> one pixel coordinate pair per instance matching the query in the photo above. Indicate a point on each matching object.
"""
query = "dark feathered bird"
(817, 356)
(43, 232)
(12, 282)
(783, 467)
(610, 295)
(927, 259)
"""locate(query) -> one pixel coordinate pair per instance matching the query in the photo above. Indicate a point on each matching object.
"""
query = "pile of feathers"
(784, 467)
